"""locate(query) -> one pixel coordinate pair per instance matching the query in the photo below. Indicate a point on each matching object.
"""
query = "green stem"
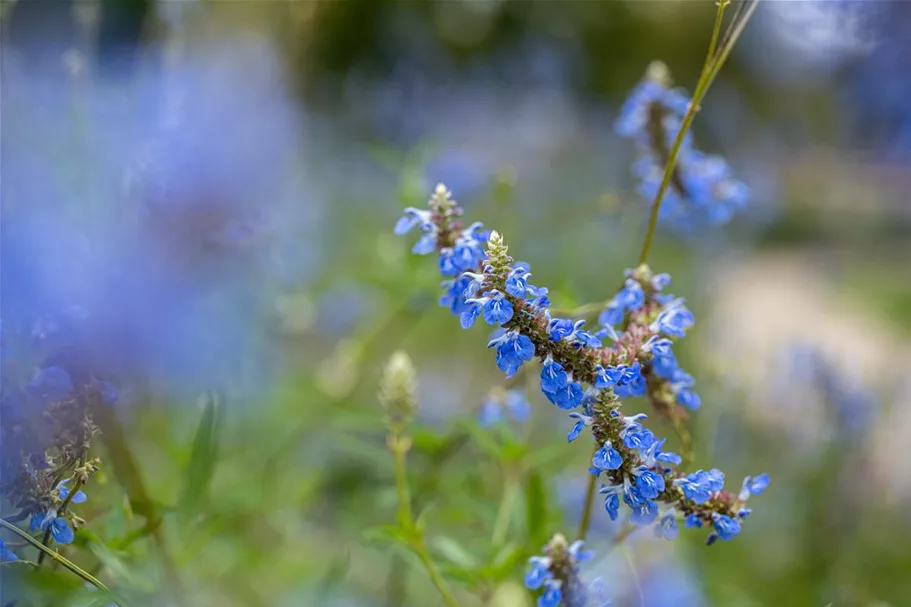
(54, 555)
(709, 70)
(442, 587)
(589, 500)
(399, 445)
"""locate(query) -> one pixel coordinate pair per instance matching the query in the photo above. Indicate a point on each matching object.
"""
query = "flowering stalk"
(556, 574)
(577, 372)
(54, 555)
(655, 115)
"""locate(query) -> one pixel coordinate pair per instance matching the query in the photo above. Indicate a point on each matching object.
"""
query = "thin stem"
(54, 555)
(730, 42)
(66, 502)
(399, 445)
(442, 587)
(589, 500)
(701, 87)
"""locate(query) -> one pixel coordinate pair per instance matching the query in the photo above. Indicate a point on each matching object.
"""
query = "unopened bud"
(397, 390)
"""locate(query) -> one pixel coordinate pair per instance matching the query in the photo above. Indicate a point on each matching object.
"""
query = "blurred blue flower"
(78, 498)
(6, 555)
(59, 526)
(512, 401)
(175, 270)
(702, 189)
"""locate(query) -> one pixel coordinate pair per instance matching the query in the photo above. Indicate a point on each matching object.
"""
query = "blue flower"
(491, 413)
(726, 527)
(644, 512)
(553, 377)
(637, 437)
(468, 316)
(700, 485)
(413, 217)
(607, 458)
(660, 281)
(496, 309)
(612, 314)
(538, 296)
(674, 320)
(578, 555)
(108, 392)
(631, 382)
(578, 427)
(664, 362)
(455, 294)
(667, 526)
(568, 397)
(539, 572)
(653, 454)
(649, 483)
(6, 555)
(513, 349)
(426, 244)
(50, 383)
(552, 596)
(517, 405)
(693, 521)
(607, 378)
(79, 496)
(516, 283)
(611, 495)
(689, 399)
(558, 328)
(59, 526)
(753, 486)
(631, 297)
(447, 263)
(587, 340)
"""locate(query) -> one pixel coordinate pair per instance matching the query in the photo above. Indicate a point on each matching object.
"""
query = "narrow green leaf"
(203, 456)
(505, 561)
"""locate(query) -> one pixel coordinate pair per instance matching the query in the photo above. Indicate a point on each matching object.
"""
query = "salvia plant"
(590, 371)
(586, 367)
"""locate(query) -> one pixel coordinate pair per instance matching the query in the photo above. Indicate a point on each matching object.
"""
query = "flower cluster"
(46, 437)
(702, 188)
(579, 374)
(644, 322)
(556, 576)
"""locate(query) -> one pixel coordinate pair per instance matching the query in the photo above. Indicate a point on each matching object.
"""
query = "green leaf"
(456, 553)
(203, 456)
(387, 534)
(505, 561)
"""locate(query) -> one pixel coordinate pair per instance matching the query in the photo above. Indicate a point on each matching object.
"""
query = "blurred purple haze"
(166, 206)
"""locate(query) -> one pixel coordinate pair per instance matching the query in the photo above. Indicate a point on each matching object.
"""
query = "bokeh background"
(198, 200)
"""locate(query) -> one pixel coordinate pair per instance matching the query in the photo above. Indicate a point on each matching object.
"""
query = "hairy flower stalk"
(578, 372)
(556, 576)
(46, 437)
